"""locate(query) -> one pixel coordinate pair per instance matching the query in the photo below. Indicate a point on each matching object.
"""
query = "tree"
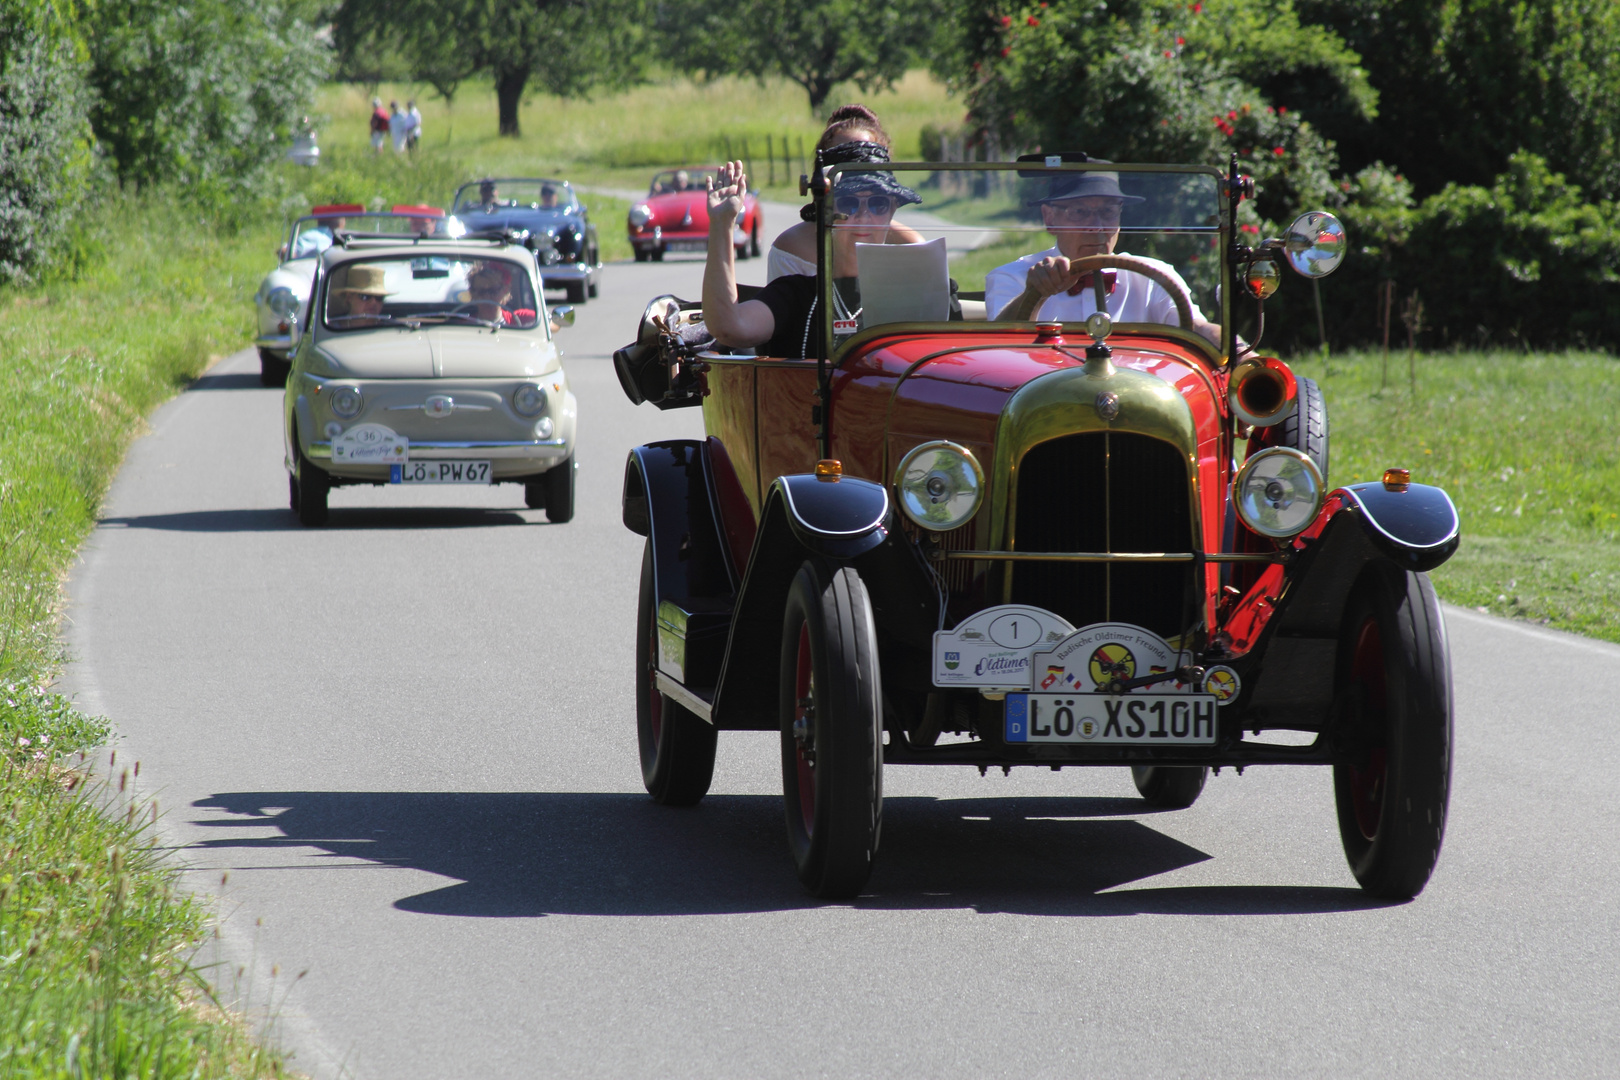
(815, 43)
(1467, 83)
(45, 142)
(204, 93)
(567, 47)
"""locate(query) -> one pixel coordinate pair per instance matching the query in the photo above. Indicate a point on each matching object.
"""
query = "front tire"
(657, 254)
(534, 493)
(1170, 787)
(1307, 429)
(677, 748)
(312, 485)
(1393, 719)
(273, 370)
(559, 483)
(831, 720)
(753, 239)
(642, 254)
(575, 291)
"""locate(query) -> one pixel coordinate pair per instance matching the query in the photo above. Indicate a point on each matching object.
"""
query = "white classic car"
(283, 296)
(430, 362)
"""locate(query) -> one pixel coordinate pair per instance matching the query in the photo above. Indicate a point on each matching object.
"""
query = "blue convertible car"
(558, 227)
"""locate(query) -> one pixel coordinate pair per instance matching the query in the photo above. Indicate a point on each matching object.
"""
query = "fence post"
(770, 159)
(747, 158)
(1387, 303)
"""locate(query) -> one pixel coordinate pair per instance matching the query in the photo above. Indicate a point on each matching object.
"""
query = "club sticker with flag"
(990, 649)
(1097, 655)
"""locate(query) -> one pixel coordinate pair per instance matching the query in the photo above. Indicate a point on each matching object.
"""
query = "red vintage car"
(1096, 532)
(675, 217)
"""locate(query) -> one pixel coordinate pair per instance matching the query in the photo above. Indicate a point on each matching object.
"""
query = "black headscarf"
(862, 153)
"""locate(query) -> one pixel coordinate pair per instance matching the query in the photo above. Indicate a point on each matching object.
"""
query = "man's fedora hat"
(1075, 185)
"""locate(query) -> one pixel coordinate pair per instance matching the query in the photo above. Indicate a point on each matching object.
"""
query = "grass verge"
(1526, 446)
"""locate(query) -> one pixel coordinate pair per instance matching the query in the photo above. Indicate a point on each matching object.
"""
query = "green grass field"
(1526, 446)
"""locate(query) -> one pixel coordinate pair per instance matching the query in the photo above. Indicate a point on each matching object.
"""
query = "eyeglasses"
(876, 205)
(1075, 214)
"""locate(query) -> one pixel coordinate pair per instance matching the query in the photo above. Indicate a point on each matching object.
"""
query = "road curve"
(409, 739)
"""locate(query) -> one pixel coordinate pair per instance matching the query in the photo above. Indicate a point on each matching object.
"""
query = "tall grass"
(1526, 446)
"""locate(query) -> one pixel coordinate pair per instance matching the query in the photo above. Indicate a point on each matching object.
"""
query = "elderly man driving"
(1082, 211)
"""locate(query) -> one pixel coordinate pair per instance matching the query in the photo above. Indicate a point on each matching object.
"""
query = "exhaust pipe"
(1262, 391)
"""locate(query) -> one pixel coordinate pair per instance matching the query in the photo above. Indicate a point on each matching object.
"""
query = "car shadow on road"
(240, 380)
(266, 519)
(521, 855)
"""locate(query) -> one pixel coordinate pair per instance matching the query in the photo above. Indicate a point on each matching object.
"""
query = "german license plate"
(1142, 719)
(439, 472)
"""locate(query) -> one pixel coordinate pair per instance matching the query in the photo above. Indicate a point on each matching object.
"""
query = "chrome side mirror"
(562, 315)
(1315, 244)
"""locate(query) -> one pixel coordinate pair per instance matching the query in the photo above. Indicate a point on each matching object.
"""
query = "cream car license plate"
(1139, 719)
(439, 472)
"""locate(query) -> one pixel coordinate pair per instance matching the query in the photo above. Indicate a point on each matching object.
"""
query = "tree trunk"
(819, 87)
(509, 86)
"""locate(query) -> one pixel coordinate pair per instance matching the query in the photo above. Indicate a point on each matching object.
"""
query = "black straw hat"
(1074, 185)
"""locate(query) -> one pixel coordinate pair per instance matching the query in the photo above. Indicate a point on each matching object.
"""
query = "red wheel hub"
(1367, 780)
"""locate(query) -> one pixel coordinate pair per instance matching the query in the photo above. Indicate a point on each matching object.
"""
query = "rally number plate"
(1138, 719)
(439, 472)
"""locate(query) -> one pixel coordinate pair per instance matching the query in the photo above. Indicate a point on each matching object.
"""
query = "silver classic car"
(430, 362)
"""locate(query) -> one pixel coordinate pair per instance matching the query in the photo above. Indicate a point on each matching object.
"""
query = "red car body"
(674, 217)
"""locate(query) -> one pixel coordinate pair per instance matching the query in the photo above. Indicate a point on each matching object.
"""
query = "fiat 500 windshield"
(410, 291)
(920, 245)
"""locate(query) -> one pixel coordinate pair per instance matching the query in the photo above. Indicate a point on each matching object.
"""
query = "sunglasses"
(876, 205)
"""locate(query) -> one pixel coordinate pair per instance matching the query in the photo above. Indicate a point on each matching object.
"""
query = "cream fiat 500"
(429, 363)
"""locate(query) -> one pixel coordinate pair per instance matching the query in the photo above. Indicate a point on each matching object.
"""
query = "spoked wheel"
(677, 748)
(831, 715)
(1394, 720)
(1170, 787)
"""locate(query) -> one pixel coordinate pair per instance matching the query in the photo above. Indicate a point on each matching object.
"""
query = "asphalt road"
(409, 740)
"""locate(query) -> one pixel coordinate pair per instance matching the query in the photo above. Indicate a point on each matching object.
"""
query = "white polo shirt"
(1135, 298)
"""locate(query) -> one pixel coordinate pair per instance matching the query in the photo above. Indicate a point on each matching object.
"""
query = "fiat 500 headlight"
(345, 402)
(940, 485)
(1278, 492)
(640, 215)
(529, 400)
(282, 301)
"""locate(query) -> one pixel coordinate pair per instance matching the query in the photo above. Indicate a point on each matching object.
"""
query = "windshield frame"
(568, 205)
(836, 350)
(327, 272)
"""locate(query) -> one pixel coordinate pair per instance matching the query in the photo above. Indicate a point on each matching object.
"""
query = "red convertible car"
(1034, 527)
(675, 217)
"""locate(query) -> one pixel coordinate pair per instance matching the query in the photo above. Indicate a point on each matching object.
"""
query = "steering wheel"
(1137, 265)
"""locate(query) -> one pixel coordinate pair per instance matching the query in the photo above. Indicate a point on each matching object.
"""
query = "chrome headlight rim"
(340, 398)
(1263, 459)
(640, 215)
(916, 501)
(282, 301)
(536, 402)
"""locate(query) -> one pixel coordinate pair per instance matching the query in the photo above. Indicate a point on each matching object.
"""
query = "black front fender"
(841, 518)
(1416, 525)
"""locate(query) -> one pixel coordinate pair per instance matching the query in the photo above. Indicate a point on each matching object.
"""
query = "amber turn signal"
(829, 469)
(1397, 479)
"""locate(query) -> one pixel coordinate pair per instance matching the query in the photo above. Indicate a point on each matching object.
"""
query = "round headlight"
(1278, 492)
(940, 485)
(640, 215)
(282, 301)
(529, 400)
(543, 428)
(345, 402)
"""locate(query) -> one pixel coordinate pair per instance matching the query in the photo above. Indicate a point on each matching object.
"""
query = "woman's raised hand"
(726, 191)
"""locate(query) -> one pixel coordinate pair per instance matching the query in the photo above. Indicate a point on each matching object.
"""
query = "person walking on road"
(379, 125)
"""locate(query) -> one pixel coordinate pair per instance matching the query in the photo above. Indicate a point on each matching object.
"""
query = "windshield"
(910, 243)
(408, 290)
(514, 194)
(313, 235)
(674, 180)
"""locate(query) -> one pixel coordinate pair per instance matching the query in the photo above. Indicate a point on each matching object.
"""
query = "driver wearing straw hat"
(1082, 211)
(359, 300)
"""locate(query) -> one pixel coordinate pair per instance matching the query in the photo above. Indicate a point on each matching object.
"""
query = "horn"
(1261, 391)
